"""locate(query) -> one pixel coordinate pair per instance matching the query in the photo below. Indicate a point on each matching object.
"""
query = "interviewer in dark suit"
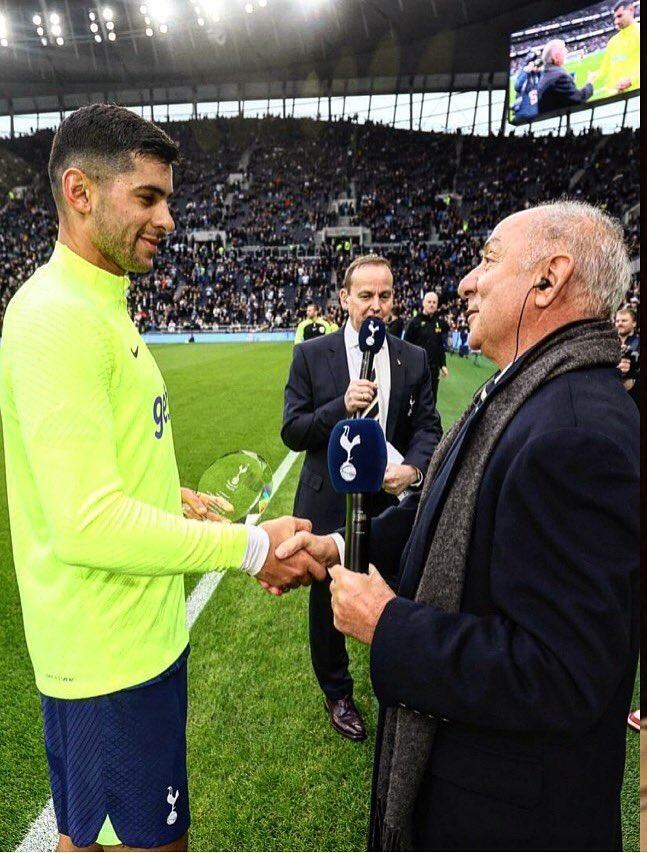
(516, 613)
(556, 88)
(323, 388)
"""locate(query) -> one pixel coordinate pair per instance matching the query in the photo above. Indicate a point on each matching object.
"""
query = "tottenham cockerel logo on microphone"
(371, 335)
(347, 469)
(357, 456)
(372, 328)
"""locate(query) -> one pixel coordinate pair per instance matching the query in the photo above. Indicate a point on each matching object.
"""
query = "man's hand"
(623, 84)
(624, 365)
(298, 568)
(197, 505)
(397, 478)
(358, 601)
(358, 395)
(444, 372)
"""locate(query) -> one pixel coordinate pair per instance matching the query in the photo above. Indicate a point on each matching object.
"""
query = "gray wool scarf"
(408, 737)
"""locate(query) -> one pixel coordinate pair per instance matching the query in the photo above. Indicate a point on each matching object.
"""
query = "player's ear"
(77, 190)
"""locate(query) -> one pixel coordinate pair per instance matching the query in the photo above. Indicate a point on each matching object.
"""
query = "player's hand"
(280, 574)
(623, 84)
(624, 366)
(358, 395)
(397, 478)
(444, 372)
(197, 505)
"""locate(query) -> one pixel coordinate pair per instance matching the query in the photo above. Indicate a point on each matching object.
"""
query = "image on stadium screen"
(574, 60)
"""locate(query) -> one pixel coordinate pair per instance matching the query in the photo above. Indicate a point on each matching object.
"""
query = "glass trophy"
(239, 484)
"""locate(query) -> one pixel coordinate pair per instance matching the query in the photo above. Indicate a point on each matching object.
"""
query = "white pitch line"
(43, 833)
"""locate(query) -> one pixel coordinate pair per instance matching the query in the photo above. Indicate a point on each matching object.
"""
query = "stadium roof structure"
(56, 55)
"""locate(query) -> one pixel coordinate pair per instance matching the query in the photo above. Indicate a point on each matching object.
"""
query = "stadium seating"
(261, 191)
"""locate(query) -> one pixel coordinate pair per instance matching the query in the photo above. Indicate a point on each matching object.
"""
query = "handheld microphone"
(356, 464)
(372, 333)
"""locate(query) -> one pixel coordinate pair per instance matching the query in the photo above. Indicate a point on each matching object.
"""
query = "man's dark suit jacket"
(532, 680)
(314, 403)
(557, 90)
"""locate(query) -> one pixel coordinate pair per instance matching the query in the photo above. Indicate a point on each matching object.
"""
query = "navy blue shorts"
(118, 762)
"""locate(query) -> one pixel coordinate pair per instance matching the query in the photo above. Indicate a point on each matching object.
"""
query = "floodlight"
(97, 38)
(94, 28)
(212, 9)
(160, 10)
(43, 41)
(143, 9)
(37, 20)
(92, 16)
(201, 22)
(149, 32)
(163, 28)
(107, 13)
(262, 3)
(112, 36)
(40, 31)
(56, 29)
(54, 18)
(4, 43)
(110, 25)
(249, 8)
(60, 41)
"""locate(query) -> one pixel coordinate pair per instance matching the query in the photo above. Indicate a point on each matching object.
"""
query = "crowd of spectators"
(263, 190)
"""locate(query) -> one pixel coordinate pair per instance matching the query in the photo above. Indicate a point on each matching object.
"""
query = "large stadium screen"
(575, 60)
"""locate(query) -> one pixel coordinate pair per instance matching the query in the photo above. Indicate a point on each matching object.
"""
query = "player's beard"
(117, 241)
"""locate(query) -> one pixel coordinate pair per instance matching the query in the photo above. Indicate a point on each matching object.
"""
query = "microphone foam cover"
(371, 335)
(357, 456)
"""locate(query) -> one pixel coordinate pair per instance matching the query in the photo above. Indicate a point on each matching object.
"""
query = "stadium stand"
(256, 199)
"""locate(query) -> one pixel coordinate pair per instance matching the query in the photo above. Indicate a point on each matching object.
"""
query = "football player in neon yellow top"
(620, 69)
(99, 539)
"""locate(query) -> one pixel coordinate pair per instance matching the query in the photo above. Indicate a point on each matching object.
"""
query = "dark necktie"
(373, 408)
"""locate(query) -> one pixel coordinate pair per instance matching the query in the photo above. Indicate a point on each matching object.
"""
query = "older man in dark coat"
(516, 612)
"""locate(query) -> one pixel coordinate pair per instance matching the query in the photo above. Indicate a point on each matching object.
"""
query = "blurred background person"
(428, 331)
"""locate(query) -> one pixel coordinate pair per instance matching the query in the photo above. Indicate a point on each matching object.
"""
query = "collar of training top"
(96, 282)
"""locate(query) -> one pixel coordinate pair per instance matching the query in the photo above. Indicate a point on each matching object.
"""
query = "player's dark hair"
(621, 4)
(100, 139)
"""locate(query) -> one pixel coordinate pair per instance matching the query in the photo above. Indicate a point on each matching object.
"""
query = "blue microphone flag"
(371, 335)
(357, 456)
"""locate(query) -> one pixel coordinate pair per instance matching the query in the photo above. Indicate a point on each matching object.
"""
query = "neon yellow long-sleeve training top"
(99, 541)
(621, 61)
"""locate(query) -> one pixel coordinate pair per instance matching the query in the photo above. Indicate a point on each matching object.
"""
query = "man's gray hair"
(602, 273)
(549, 47)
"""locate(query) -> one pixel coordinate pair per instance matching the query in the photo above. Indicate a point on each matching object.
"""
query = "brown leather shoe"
(345, 718)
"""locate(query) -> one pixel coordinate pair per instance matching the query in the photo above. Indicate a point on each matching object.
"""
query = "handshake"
(296, 556)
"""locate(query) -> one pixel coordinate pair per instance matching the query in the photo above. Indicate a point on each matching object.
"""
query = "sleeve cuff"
(258, 545)
(390, 658)
(341, 546)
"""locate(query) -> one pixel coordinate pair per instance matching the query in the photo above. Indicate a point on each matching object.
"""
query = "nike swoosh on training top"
(135, 351)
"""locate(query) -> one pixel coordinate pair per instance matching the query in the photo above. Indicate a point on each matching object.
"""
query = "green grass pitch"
(266, 770)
